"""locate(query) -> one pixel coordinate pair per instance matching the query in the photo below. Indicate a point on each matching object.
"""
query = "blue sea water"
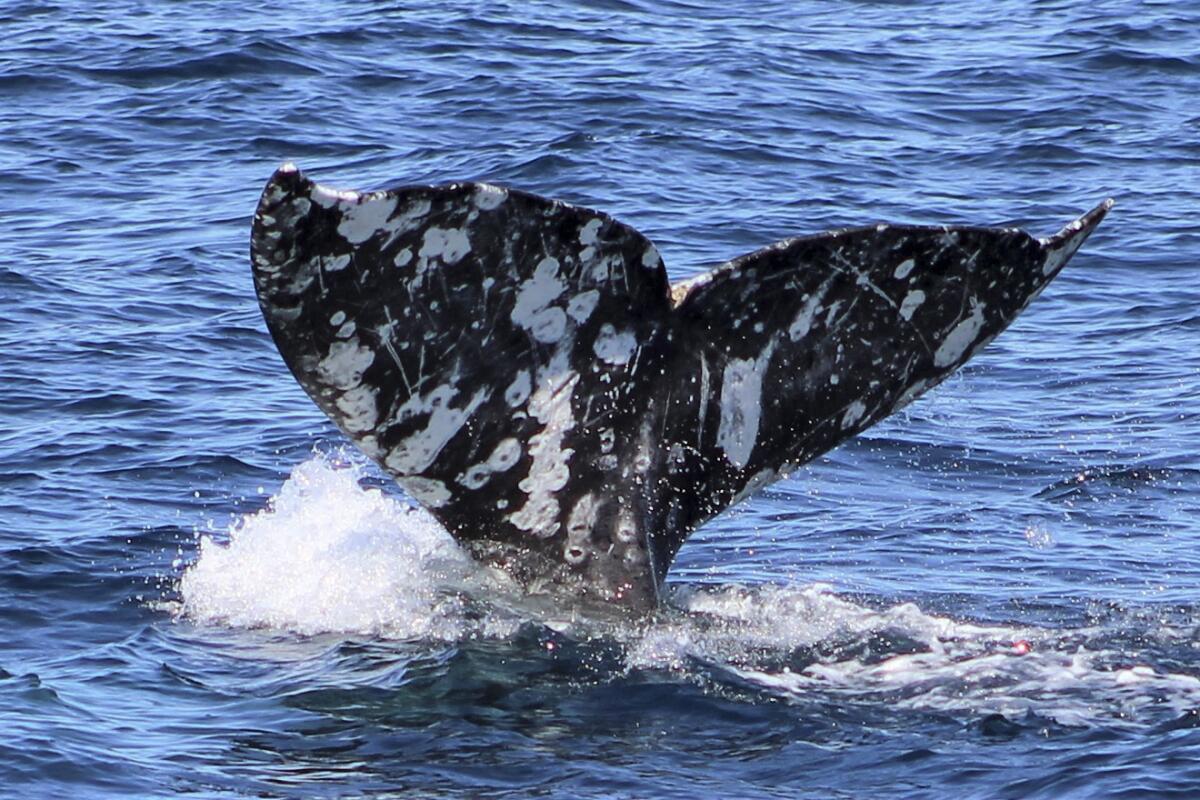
(204, 594)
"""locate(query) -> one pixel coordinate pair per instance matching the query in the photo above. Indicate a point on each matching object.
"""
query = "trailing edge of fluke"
(525, 370)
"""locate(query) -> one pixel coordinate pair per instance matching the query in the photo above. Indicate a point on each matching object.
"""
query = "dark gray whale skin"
(525, 370)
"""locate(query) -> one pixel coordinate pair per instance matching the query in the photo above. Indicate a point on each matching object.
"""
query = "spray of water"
(327, 555)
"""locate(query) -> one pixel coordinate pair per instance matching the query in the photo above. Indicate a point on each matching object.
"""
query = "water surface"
(202, 594)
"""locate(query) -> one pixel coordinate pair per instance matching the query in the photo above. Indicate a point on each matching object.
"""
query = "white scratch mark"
(854, 412)
(760, 479)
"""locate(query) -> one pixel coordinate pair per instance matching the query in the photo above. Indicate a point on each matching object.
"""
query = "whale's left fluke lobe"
(490, 349)
(522, 367)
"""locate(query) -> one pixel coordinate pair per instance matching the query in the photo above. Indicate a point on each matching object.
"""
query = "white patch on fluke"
(960, 339)
(549, 471)
(361, 221)
(409, 218)
(549, 325)
(432, 493)
(582, 305)
(328, 198)
(651, 258)
(359, 409)
(613, 347)
(299, 208)
(344, 364)
(518, 391)
(583, 518)
(504, 456)
(587, 234)
(488, 197)
(417, 452)
(448, 246)
(910, 394)
(533, 310)
(741, 405)
(1060, 255)
(912, 301)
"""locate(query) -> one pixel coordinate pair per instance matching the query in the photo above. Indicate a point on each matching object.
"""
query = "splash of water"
(329, 555)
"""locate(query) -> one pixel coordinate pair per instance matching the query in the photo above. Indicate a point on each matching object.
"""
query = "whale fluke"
(524, 369)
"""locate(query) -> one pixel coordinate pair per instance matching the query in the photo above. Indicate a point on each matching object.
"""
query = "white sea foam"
(957, 667)
(328, 554)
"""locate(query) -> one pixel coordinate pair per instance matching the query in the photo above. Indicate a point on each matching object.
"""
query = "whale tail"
(524, 368)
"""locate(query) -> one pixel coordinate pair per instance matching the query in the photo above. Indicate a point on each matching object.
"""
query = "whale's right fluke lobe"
(522, 367)
(790, 350)
(1062, 245)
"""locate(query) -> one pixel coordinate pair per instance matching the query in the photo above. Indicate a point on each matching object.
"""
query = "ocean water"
(203, 593)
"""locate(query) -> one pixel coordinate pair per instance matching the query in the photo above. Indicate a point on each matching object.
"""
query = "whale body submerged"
(524, 369)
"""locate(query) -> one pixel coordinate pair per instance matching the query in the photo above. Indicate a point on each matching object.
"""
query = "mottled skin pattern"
(523, 368)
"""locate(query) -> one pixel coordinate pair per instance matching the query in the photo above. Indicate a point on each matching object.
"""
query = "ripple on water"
(334, 642)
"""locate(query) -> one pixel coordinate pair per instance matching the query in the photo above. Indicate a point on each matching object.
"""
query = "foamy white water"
(327, 555)
(942, 665)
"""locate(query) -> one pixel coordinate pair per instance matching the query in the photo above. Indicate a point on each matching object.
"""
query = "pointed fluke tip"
(1092, 218)
(1061, 246)
(1075, 232)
